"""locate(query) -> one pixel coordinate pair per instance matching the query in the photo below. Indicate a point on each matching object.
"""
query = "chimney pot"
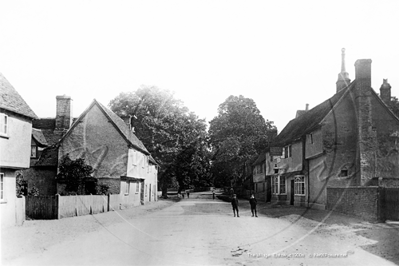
(385, 91)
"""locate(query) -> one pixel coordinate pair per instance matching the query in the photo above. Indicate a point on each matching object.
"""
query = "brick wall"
(388, 182)
(358, 201)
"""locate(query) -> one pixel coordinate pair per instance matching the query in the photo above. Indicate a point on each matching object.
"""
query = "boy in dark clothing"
(234, 204)
(253, 203)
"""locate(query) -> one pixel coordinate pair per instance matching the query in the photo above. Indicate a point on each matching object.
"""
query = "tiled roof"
(308, 121)
(12, 101)
(39, 137)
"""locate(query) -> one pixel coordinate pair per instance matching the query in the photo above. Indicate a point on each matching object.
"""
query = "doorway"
(268, 189)
(292, 192)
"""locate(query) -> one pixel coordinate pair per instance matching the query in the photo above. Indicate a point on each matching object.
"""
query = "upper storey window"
(3, 125)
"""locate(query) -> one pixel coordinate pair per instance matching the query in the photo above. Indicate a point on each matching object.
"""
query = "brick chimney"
(367, 139)
(343, 76)
(63, 118)
(385, 91)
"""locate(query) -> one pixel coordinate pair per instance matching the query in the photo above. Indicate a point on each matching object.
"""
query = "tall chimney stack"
(63, 118)
(367, 139)
(343, 76)
(385, 91)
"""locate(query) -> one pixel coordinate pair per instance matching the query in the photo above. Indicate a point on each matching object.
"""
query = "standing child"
(253, 203)
(234, 204)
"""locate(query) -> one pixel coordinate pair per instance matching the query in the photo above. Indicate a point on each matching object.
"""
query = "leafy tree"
(22, 186)
(394, 105)
(163, 124)
(75, 173)
(237, 134)
(192, 166)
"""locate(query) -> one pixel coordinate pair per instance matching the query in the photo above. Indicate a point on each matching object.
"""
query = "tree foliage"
(164, 125)
(394, 105)
(75, 173)
(237, 135)
(192, 166)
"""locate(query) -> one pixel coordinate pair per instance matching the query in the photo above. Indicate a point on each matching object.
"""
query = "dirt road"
(189, 232)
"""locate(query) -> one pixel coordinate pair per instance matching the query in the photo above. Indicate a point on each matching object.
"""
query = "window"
(2, 186)
(137, 187)
(299, 185)
(279, 186)
(311, 138)
(343, 173)
(127, 190)
(33, 151)
(287, 151)
(282, 185)
(3, 124)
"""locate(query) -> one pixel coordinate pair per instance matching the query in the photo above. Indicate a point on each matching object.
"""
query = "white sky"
(282, 54)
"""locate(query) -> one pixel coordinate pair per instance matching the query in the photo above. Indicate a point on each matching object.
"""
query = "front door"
(292, 192)
(268, 189)
(142, 192)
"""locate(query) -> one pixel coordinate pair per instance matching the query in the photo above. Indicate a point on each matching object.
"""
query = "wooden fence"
(57, 207)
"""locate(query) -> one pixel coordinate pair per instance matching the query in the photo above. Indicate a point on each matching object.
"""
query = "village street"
(200, 231)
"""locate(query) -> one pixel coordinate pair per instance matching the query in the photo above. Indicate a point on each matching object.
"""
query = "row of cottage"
(348, 141)
(34, 147)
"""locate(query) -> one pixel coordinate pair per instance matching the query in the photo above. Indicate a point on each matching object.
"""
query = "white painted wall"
(139, 167)
(15, 146)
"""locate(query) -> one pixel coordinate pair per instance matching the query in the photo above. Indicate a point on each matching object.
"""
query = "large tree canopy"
(237, 134)
(165, 126)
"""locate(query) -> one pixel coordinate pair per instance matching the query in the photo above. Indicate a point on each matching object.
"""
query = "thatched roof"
(309, 121)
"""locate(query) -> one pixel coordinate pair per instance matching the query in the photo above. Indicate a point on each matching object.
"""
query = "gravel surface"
(201, 231)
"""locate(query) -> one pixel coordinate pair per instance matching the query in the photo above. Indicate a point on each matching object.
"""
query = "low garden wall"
(363, 202)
